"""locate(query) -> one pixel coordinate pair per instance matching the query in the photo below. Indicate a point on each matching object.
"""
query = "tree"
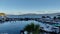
(54, 17)
(2, 14)
(32, 28)
(48, 17)
(58, 17)
(43, 17)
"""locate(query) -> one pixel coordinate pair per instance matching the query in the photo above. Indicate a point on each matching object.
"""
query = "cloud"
(35, 12)
(49, 11)
(42, 12)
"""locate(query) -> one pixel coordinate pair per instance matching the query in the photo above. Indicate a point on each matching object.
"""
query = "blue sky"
(29, 6)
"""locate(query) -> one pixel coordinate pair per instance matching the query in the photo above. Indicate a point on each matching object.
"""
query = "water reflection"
(14, 27)
(1, 22)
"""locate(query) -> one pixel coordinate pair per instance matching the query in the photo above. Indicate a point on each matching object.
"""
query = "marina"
(48, 24)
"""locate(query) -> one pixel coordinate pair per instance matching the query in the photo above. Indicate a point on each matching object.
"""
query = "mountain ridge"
(53, 14)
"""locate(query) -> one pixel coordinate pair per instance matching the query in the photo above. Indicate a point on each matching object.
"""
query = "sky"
(29, 6)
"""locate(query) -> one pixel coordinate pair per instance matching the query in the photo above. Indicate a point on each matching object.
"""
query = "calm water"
(14, 27)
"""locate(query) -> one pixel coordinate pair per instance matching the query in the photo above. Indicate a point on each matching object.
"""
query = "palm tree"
(32, 28)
